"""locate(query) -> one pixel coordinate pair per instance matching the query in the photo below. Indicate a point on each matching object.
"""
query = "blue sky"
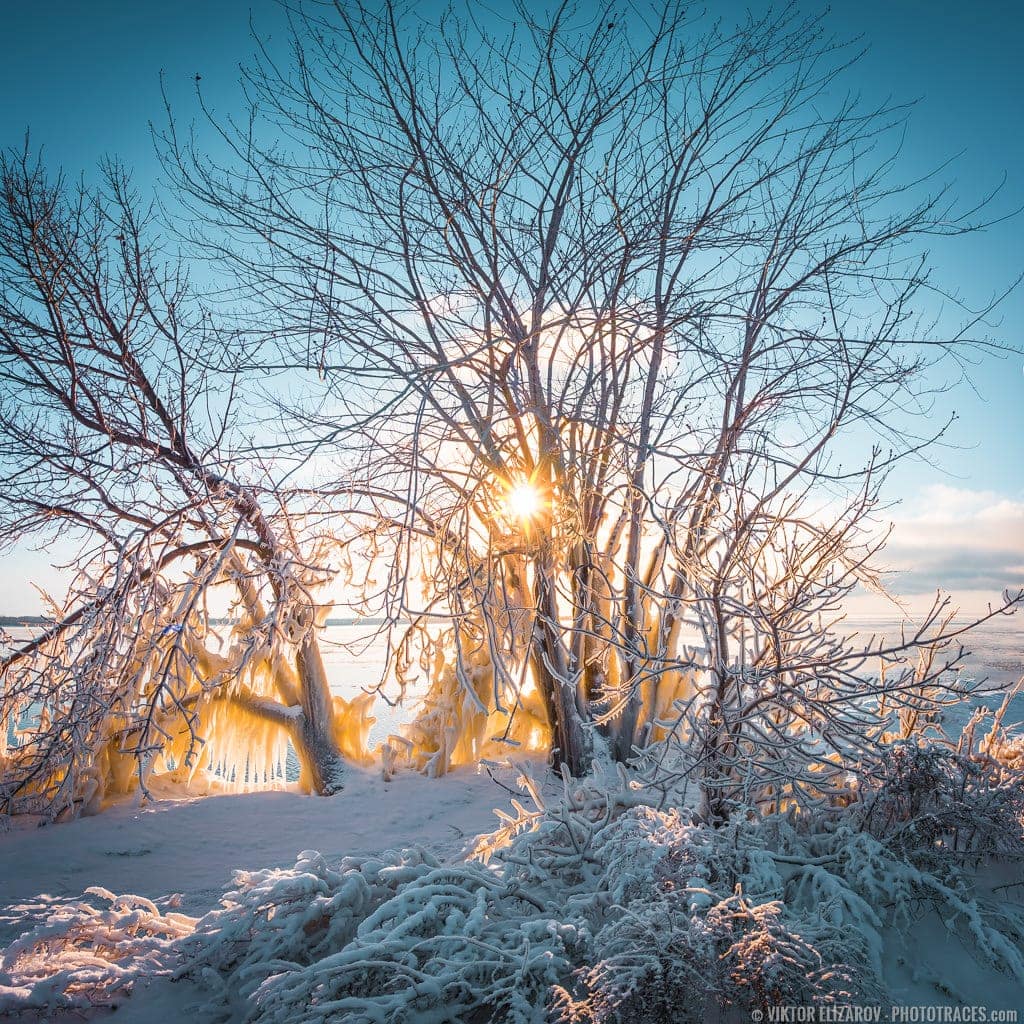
(84, 77)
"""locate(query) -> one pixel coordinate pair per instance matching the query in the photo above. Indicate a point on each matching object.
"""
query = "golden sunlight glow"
(523, 500)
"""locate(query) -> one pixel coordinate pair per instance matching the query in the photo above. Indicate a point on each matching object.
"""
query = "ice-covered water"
(993, 652)
(993, 658)
(354, 661)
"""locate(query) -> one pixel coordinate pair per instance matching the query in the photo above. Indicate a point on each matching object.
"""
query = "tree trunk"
(624, 735)
(570, 744)
(714, 785)
(314, 736)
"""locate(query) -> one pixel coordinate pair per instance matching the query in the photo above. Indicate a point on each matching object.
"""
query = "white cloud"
(970, 543)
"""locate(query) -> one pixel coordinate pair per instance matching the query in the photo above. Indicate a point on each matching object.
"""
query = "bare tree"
(118, 424)
(614, 325)
(599, 301)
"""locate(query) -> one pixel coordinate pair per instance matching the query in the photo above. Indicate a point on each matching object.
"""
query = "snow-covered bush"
(933, 801)
(594, 909)
(392, 938)
(84, 955)
(696, 920)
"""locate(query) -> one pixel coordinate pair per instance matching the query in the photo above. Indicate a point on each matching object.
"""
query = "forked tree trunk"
(570, 741)
(314, 735)
(570, 744)
(623, 735)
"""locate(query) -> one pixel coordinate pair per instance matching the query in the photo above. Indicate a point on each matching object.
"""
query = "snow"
(192, 846)
(294, 935)
(183, 853)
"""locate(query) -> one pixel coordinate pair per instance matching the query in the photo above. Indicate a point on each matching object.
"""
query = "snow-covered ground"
(182, 851)
(192, 846)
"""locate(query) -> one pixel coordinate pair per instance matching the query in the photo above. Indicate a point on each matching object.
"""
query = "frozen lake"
(995, 652)
(355, 663)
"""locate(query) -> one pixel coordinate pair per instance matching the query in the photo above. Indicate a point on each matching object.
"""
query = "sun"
(523, 500)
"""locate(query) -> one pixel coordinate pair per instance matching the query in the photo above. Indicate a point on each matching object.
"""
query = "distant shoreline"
(14, 621)
(862, 621)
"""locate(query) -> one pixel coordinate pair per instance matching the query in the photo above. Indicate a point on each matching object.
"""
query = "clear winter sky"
(83, 75)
